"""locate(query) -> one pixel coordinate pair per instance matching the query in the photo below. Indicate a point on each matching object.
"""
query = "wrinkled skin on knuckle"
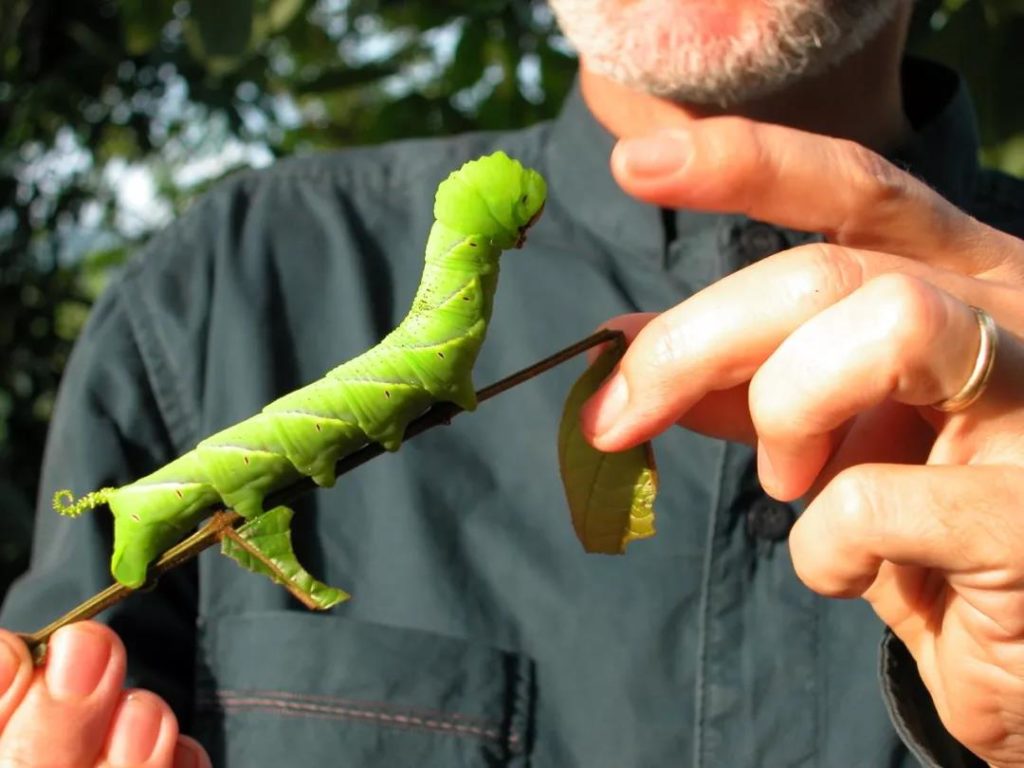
(819, 270)
(844, 513)
(662, 350)
(851, 507)
(988, 720)
(734, 163)
(911, 321)
(875, 182)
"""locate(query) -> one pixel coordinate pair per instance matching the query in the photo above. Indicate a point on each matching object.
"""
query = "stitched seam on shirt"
(297, 707)
(705, 613)
(358, 703)
(154, 361)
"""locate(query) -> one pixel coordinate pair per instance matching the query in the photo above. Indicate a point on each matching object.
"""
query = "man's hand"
(74, 713)
(827, 357)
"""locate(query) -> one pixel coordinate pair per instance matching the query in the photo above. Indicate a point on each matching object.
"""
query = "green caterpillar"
(480, 210)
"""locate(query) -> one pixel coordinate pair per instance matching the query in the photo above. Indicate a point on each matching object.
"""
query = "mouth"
(523, 229)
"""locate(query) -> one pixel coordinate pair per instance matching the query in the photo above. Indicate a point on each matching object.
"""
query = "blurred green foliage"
(115, 113)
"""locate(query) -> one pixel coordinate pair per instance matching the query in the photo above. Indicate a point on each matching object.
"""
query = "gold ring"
(976, 382)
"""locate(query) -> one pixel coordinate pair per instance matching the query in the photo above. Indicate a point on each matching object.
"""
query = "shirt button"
(769, 519)
(758, 240)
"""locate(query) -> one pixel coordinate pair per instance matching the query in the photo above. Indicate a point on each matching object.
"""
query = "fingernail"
(78, 659)
(135, 731)
(187, 755)
(10, 663)
(662, 154)
(603, 409)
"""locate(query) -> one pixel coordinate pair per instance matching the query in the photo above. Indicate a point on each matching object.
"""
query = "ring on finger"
(977, 381)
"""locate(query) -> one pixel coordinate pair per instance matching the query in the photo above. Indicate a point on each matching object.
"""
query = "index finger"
(808, 182)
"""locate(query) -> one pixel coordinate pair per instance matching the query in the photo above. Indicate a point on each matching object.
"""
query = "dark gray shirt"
(479, 633)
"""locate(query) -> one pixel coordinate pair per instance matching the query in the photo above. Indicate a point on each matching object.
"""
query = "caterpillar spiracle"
(480, 210)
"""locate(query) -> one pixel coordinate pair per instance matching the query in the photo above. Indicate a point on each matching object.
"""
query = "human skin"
(914, 510)
(74, 712)
(867, 518)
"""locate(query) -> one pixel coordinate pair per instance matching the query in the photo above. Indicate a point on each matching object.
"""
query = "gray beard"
(626, 43)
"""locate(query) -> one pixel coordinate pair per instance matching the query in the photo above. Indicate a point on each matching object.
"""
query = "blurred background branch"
(114, 114)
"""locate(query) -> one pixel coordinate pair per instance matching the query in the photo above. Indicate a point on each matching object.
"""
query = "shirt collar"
(942, 151)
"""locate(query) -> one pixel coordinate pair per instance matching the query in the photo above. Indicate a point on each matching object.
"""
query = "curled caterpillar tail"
(64, 501)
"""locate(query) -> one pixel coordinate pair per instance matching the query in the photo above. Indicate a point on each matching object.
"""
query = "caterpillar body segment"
(480, 210)
(153, 513)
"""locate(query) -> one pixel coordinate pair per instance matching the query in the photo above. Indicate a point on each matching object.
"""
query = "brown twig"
(222, 521)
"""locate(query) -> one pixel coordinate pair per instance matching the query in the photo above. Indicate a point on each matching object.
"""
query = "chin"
(721, 53)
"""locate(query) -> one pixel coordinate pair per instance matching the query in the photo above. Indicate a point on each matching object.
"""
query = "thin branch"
(223, 520)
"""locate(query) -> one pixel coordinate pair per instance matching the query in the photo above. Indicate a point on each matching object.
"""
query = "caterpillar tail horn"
(64, 501)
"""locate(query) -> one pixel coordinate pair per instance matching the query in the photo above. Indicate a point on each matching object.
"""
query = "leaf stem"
(223, 521)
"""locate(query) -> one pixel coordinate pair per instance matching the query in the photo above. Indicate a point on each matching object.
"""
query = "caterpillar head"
(494, 196)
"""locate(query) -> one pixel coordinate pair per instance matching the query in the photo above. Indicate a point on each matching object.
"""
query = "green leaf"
(281, 13)
(339, 77)
(611, 495)
(264, 545)
(467, 65)
(142, 22)
(220, 33)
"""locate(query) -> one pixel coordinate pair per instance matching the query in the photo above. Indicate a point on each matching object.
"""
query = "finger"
(190, 754)
(16, 671)
(64, 716)
(718, 338)
(808, 182)
(897, 338)
(143, 733)
(628, 325)
(960, 520)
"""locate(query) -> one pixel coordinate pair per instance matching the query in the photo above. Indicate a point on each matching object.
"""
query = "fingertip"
(629, 325)
(84, 658)
(600, 415)
(783, 476)
(189, 753)
(820, 559)
(14, 650)
(143, 732)
(641, 161)
(16, 669)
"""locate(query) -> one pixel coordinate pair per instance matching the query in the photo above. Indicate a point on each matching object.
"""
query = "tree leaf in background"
(142, 22)
(467, 65)
(611, 495)
(220, 33)
(339, 77)
(281, 13)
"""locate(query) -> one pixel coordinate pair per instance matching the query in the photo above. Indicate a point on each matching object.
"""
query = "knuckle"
(732, 154)
(773, 417)
(851, 505)
(911, 312)
(666, 347)
(822, 273)
(876, 181)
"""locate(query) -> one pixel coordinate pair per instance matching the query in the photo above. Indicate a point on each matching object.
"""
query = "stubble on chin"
(667, 47)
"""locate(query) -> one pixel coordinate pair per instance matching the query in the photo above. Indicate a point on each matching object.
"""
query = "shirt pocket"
(283, 688)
